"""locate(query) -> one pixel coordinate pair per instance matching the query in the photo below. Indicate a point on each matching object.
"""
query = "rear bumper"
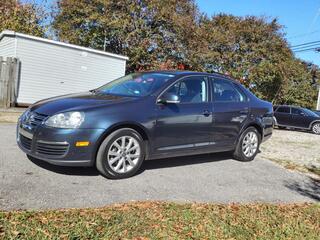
(266, 136)
(267, 125)
(58, 146)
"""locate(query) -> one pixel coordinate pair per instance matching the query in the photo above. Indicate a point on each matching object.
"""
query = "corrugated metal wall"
(7, 47)
(49, 70)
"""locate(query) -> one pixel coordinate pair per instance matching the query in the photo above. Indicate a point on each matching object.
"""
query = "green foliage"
(21, 17)
(153, 33)
(297, 88)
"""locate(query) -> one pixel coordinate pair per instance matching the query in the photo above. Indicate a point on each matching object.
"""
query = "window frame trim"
(277, 110)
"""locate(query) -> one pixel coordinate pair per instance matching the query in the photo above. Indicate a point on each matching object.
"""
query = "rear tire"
(248, 145)
(316, 128)
(121, 154)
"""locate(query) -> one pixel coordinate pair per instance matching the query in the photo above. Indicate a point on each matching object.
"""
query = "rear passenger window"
(225, 91)
(283, 110)
(296, 111)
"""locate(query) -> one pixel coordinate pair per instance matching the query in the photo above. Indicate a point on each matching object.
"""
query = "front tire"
(121, 154)
(248, 145)
(316, 128)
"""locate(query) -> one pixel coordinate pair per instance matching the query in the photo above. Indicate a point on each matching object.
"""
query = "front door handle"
(206, 113)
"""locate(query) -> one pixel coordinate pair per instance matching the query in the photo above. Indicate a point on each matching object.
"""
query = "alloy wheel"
(123, 154)
(316, 128)
(250, 144)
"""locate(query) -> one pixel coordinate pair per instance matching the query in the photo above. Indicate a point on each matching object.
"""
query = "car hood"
(76, 102)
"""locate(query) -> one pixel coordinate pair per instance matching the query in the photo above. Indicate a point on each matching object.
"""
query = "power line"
(310, 45)
(303, 44)
(308, 49)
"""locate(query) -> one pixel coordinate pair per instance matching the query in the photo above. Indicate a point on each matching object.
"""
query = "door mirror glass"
(169, 98)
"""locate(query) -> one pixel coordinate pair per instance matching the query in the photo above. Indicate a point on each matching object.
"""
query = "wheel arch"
(275, 121)
(256, 125)
(133, 125)
(313, 122)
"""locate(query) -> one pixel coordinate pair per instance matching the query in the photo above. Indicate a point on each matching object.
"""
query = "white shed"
(50, 68)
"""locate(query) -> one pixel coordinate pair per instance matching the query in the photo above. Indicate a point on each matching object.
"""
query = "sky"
(300, 18)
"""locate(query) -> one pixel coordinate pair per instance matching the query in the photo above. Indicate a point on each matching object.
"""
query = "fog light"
(82, 144)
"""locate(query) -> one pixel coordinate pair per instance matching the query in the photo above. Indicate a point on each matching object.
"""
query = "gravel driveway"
(293, 148)
(207, 178)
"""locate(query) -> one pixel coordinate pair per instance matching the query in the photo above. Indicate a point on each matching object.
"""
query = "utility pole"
(318, 102)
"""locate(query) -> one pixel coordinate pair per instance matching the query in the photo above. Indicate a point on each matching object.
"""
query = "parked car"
(145, 116)
(296, 117)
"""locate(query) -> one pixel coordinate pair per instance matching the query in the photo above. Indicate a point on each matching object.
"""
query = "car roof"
(190, 73)
(287, 106)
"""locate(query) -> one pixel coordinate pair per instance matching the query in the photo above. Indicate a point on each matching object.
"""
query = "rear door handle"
(206, 113)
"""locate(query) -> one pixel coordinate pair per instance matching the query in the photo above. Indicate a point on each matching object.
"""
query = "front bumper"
(58, 146)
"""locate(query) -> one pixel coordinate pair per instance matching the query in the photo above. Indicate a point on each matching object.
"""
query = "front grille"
(25, 142)
(36, 119)
(52, 149)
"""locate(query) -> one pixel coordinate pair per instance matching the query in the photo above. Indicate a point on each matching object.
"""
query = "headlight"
(66, 120)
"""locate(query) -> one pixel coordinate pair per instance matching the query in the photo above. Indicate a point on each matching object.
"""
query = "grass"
(156, 220)
(296, 167)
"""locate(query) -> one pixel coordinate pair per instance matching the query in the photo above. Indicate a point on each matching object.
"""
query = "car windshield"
(310, 113)
(136, 84)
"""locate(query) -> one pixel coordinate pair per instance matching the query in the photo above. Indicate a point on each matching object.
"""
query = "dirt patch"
(294, 149)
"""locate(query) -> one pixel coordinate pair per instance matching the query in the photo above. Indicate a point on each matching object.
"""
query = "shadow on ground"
(185, 160)
(309, 189)
(147, 165)
(78, 171)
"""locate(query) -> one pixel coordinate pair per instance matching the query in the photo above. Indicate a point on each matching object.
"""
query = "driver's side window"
(191, 90)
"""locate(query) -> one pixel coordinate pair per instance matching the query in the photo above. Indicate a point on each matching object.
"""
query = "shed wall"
(49, 70)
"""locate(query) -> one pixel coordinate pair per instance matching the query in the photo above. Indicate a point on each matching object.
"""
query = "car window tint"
(283, 110)
(136, 84)
(296, 111)
(191, 90)
(225, 91)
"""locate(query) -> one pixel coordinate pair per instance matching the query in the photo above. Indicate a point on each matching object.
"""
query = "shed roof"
(21, 35)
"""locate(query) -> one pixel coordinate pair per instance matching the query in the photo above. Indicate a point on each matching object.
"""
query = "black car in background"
(145, 116)
(296, 117)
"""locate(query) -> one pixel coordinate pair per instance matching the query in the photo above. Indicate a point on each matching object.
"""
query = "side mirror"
(302, 114)
(169, 98)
